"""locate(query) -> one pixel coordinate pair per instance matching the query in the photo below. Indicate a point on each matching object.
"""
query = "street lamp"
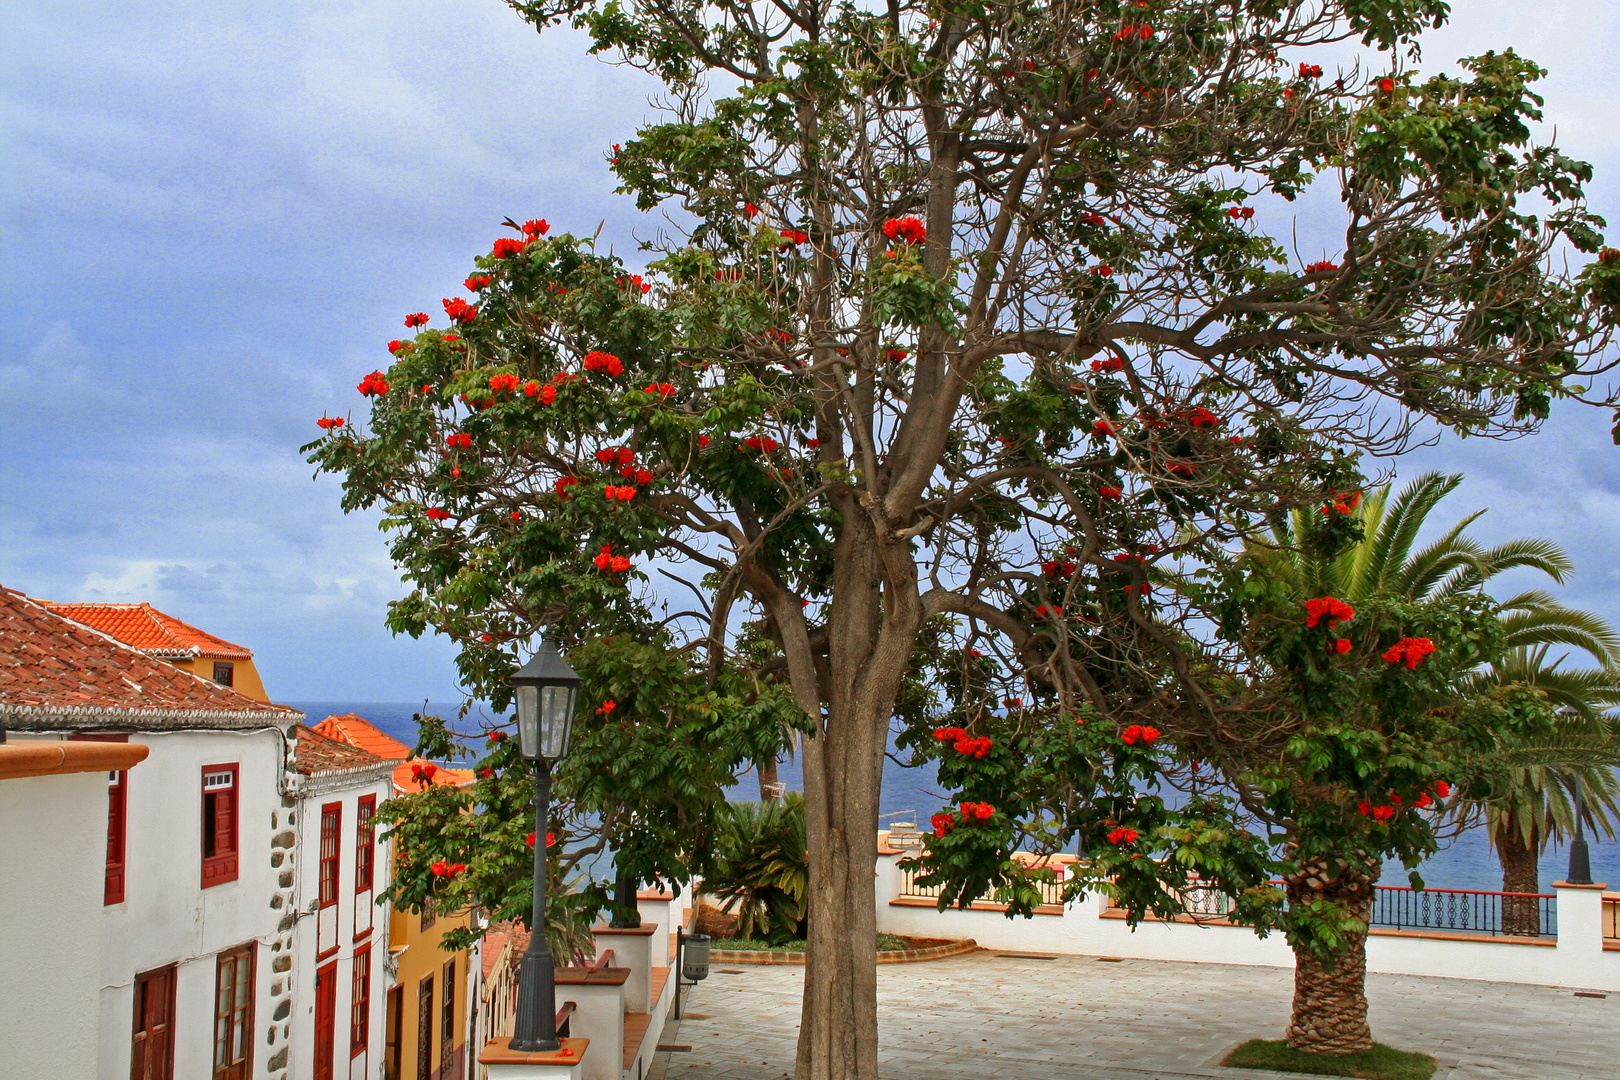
(1580, 859)
(546, 688)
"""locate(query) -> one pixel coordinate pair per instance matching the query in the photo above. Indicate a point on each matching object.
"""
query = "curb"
(894, 956)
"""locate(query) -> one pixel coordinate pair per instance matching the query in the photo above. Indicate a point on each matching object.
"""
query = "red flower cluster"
(1103, 270)
(1108, 491)
(504, 383)
(750, 210)
(1202, 419)
(477, 281)
(1344, 504)
(1041, 611)
(703, 440)
(551, 838)
(419, 319)
(327, 423)
(621, 492)
(447, 870)
(460, 312)
(1387, 85)
(373, 385)
(966, 744)
(436, 513)
(1341, 646)
(1310, 71)
(613, 564)
(1138, 733)
(942, 823)
(895, 355)
(1179, 469)
(564, 483)
(547, 394)
(1380, 814)
(794, 237)
(1411, 650)
(623, 455)
(423, 774)
(601, 361)
(1130, 31)
(906, 229)
(976, 811)
(396, 346)
(535, 227)
(459, 441)
(1122, 835)
(609, 705)
(1091, 217)
(505, 248)
(763, 444)
(1057, 569)
(1240, 212)
(812, 443)
(1112, 364)
(1103, 428)
(634, 281)
(1323, 267)
(1329, 608)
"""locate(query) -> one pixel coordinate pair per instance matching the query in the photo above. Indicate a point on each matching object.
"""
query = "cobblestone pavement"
(1081, 1018)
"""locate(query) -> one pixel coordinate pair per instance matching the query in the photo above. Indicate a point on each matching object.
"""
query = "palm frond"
(1397, 530)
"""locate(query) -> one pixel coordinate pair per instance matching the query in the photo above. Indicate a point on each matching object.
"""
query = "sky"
(213, 215)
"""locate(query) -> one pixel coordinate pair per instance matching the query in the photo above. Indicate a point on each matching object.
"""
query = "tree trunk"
(767, 779)
(1520, 874)
(1330, 1001)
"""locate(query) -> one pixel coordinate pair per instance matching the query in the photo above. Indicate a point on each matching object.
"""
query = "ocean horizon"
(1465, 861)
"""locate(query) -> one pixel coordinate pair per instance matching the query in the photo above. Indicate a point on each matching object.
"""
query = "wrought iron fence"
(1051, 891)
(1467, 910)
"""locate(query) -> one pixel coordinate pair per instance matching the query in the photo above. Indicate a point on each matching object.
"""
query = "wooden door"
(424, 1029)
(325, 1020)
(152, 1056)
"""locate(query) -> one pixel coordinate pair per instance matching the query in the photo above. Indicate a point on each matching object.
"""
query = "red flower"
(1108, 491)
(373, 385)
(1203, 419)
(497, 736)
(942, 823)
(1310, 71)
(505, 248)
(486, 772)
(423, 774)
(1383, 813)
(895, 355)
(517, 516)
(1103, 428)
(419, 319)
(644, 476)
(535, 227)
(605, 456)
(461, 441)
(949, 734)
(476, 282)
(327, 423)
(435, 513)
(619, 565)
(601, 361)
(1364, 808)
(662, 389)
(565, 482)
(625, 455)
(1341, 646)
(1103, 270)
(1323, 267)
(1123, 835)
(1113, 363)
(1422, 801)
(440, 868)
(459, 310)
(906, 229)
(548, 394)
(975, 748)
(606, 707)
(761, 443)
(1138, 733)
(604, 558)
(812, 443)
(749, 210)
(1387, 85)
(1411, 650)
(503, 383)
(1329, 608)
(703, 440)
(396, 346)
(976, 811)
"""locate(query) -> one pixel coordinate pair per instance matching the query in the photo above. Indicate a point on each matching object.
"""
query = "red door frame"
(152, 1033)
(325, 1020)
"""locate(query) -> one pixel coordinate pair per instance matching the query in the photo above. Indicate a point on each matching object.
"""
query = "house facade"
(163, 637)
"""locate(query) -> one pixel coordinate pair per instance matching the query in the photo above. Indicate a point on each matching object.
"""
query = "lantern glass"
(545, 689)
(528, 712)
(556, 720)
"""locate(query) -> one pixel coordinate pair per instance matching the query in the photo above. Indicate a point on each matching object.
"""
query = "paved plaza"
(996, 1017)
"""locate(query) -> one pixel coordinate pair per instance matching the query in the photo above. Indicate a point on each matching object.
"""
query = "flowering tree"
(968, 312)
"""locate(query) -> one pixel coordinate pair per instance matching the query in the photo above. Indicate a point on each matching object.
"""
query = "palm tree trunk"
(1330, 1000)
(767, 779)
(1520, 874)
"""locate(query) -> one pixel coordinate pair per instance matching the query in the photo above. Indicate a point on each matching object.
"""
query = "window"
(233, 1015)
(360, 1007)
(117, 800)
(331, 824)
(152, 1043)
(447, 1019)
(325, 1021)
(424, 1028)
(219, 802)
(224, 674)
(364, 843)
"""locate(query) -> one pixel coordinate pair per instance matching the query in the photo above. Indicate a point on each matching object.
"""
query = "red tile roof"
(144, 627)
(314, 753)
(357, 731)
(56, 673)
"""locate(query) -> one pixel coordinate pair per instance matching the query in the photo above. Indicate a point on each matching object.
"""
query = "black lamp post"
(546, 690)
(1580, 859)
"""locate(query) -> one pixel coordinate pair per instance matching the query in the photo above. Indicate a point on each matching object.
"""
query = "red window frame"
(221, 822)
(360, 1004)
(365, 843)
(234, 982)
(331, 830)
(117, 829)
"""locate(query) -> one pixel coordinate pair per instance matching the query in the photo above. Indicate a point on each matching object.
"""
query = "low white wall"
(1576, 960)
(53, 846)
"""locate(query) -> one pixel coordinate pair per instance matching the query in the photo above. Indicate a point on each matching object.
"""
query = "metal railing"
(1051, 891)
(1466, 910)
(565, 1017)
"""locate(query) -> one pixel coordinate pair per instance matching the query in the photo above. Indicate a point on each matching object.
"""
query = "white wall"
(306, 942)
(53, 847)
(1577, 959)
(168, 918)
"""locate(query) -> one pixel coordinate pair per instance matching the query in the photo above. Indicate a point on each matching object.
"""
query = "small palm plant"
(761, 872)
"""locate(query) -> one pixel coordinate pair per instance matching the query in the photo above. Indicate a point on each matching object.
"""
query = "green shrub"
(761, 872)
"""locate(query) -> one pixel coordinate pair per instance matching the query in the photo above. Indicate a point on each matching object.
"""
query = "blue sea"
(1465, 862)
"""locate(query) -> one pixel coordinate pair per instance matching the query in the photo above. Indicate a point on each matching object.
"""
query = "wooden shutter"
(152, 1044)
(360, 1004)
(220, 794)
(325, 1020)
(117, 805)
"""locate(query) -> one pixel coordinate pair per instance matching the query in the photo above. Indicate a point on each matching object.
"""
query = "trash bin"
(695, 958)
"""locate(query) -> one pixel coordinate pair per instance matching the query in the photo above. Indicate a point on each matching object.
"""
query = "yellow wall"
(419, 955)
(245, 676)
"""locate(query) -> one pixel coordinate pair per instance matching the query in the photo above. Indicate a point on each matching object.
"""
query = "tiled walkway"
(1080, 1018)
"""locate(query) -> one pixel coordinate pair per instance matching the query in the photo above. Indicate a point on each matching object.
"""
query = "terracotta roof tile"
(144, 627)
(358, 731)
(57, 673)
(315, 753)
